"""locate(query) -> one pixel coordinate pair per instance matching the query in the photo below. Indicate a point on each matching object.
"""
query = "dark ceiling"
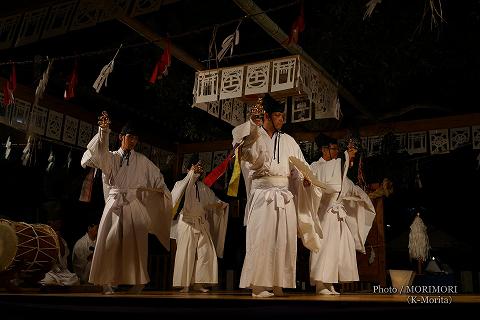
(401, 63)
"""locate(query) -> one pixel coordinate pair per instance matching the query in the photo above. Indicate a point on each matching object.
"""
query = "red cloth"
(217, 172)
(71, 83)
(9, 87)
(161, 68)
(297, 27)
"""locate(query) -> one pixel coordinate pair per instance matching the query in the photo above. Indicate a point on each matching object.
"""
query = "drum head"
(8, 245)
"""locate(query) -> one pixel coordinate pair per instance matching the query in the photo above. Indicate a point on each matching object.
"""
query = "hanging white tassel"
(418, 180)
(51, 161)
(69, 158)
(418, 244)
(8, 148)
(27, 152)
(42, 84)
(106, 70)
(370, 7)
(229, 42)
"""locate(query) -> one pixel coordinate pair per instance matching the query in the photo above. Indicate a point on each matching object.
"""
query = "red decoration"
(72, 82)
(297, 27)
(9, 88)
(217, 172)
(161, 67)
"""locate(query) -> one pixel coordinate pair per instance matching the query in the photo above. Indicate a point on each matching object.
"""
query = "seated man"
(83, 253)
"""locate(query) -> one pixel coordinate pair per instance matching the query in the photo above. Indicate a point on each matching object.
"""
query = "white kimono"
(137, 203)
(200, 233)
(271, 216)
(345, 216)
(59, 274)
(81, 251)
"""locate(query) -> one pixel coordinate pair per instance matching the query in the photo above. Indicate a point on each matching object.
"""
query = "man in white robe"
(345, 216)
(137, 203)
(200, 233)
(82, 253)
(271, 216)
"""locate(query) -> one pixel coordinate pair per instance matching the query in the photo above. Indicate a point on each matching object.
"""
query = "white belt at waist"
(122, 196)
(270, 181)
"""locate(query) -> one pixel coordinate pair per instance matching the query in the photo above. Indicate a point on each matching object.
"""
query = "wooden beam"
(149, 34)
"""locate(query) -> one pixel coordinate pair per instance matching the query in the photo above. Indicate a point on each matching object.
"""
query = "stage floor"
(93, 305)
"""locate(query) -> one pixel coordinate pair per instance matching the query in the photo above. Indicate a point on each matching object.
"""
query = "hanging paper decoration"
(161, 67)
(283, 74)
(38, 120)
(290, 76)
(418, 243)
(72, 82)
(297, 27)
(206, 86)
(9, 88)
(54, 125)
(301, 110)
(84, 134)
(19, 115)
(106, 70)
(231, 85)
(27, 152)
(401, 141)
(476, 137)
(417, 142)
(257, 78)
(238, 113)
(226, 114)
(70, 128)
(8, 148)
(439, 141)
(51, 161)
(374, 145)
(459, 137)
(229, 42)
(42, 84)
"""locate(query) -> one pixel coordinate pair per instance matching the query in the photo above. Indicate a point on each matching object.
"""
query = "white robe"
(345, 216)
(200, 233)
(59, 274)
(132, 210)
(81, 251)
(271, 217)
